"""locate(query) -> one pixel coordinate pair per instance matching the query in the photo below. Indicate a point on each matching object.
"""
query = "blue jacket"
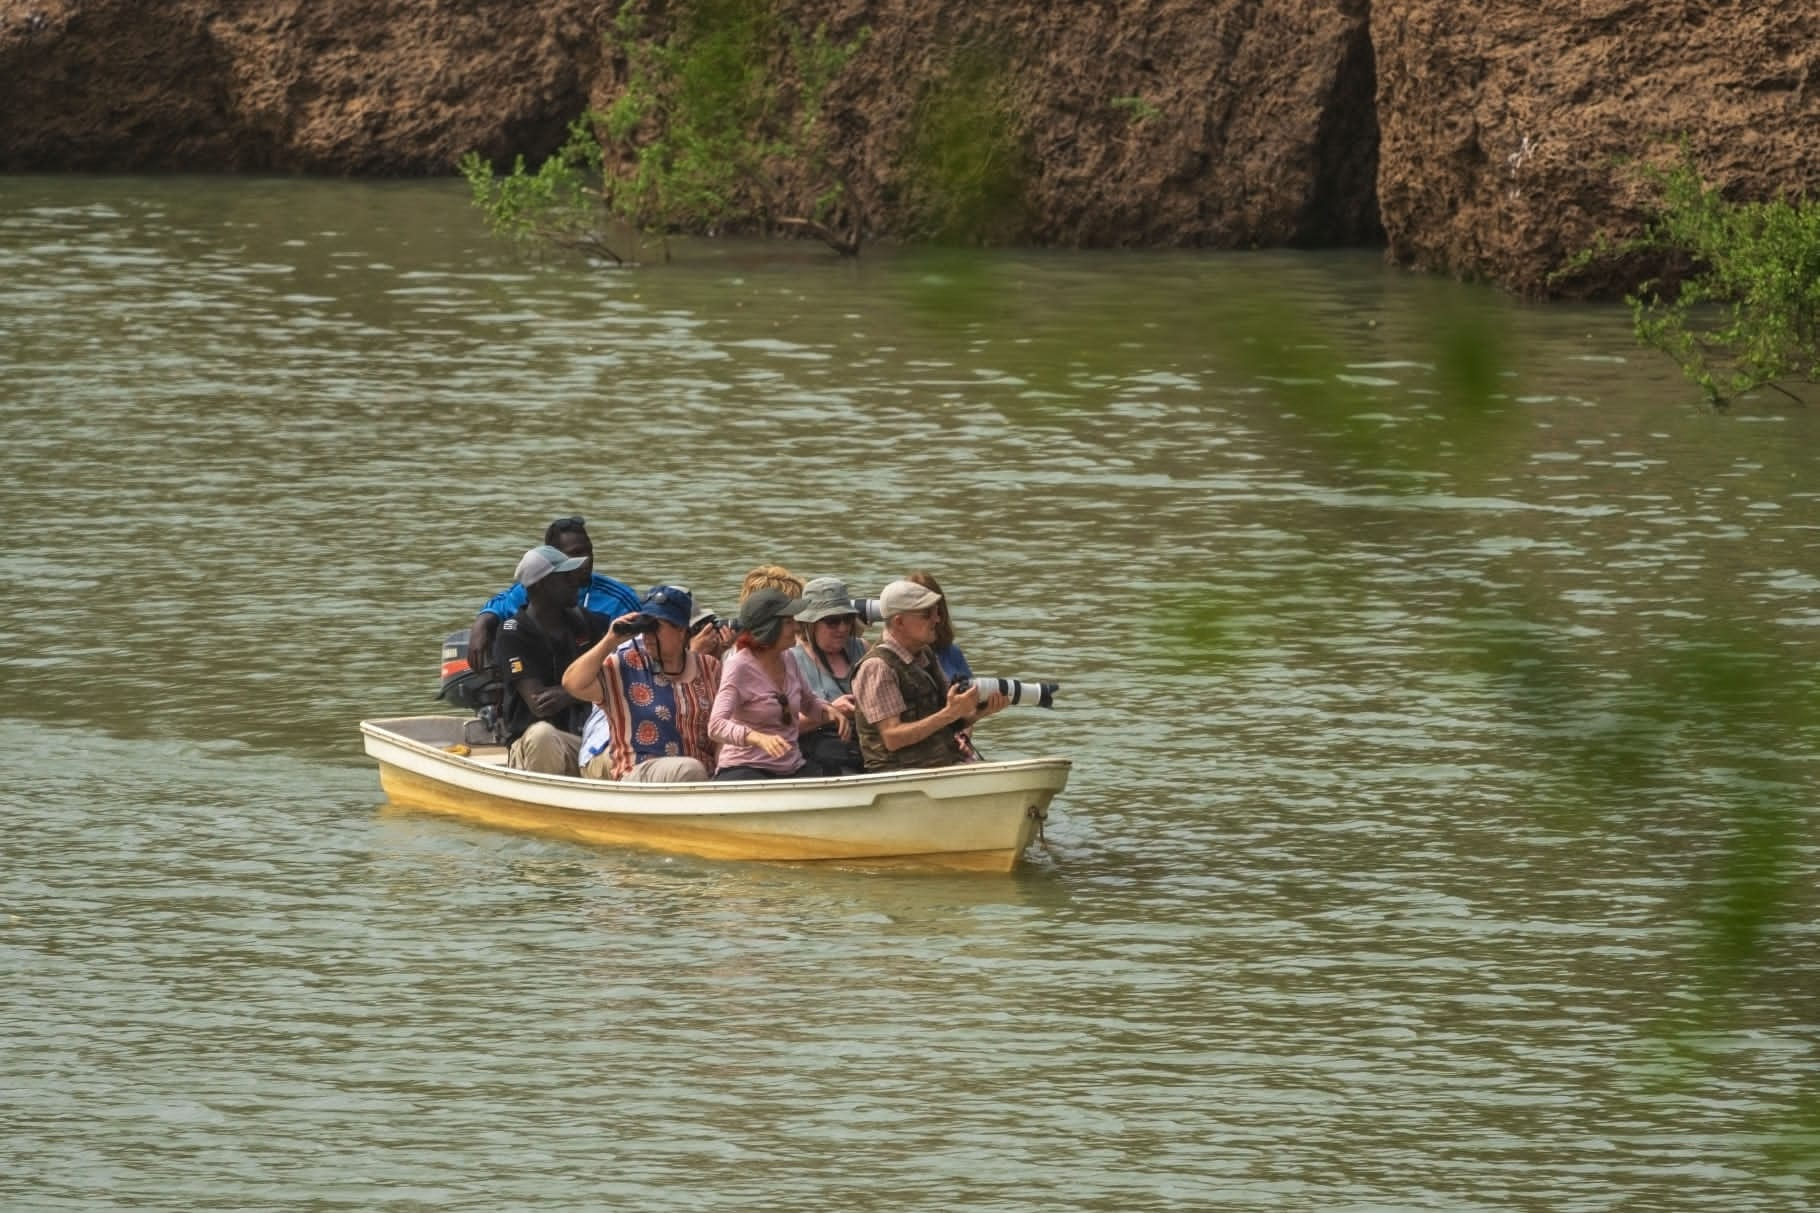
(602, 597)
(953, 663)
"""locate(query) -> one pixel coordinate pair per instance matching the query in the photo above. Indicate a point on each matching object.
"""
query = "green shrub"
(560, 204)
(1747, 314)
(967, 165)
(692, 142)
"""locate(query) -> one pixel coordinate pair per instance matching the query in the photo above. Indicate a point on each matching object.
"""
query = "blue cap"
(670, 603)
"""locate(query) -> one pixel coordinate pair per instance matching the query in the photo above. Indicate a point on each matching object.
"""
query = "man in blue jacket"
(600, 597)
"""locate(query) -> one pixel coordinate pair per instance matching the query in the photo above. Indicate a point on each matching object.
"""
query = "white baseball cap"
(902, 596)
(543, 560)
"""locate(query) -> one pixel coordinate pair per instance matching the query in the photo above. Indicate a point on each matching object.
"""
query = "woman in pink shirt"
(763, 701)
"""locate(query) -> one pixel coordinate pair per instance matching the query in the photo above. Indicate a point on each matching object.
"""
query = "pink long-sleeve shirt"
(749, 701)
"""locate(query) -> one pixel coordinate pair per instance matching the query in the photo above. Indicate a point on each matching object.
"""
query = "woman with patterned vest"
(907, 713)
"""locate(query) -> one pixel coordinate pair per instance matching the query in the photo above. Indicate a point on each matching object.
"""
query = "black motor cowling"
(460, 685)
(477, 690)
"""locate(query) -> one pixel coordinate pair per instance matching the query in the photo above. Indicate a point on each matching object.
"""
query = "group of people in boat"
(604, 682)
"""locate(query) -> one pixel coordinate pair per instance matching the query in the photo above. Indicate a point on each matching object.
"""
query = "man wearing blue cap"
(542, 721)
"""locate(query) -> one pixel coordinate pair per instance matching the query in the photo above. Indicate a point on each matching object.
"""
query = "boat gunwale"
(687, 799)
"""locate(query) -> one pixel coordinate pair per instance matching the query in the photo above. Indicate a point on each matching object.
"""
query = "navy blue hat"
(670, 603)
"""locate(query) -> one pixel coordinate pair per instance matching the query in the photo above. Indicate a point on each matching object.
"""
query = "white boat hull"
(980, 816)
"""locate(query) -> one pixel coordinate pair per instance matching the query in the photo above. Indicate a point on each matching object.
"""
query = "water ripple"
(1324, 920)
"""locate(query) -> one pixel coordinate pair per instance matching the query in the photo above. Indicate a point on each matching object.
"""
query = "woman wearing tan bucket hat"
(828, 648)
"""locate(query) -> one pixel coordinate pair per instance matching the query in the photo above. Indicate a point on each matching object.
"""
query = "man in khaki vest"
(908, 715)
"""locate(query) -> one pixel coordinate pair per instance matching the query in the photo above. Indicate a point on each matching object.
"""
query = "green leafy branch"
(1137, 109)
(560, 204)
(1741, 309)
(1750, 314)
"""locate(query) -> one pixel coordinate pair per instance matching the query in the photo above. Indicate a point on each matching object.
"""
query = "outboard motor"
(477, 691)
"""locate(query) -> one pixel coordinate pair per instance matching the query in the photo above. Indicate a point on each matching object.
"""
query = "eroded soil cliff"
(1481, 140)
(1507, 124)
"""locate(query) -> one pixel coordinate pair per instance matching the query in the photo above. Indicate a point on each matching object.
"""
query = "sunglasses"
(783, 708)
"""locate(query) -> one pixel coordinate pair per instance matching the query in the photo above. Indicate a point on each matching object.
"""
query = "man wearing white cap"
(908, 715)
(542, 721)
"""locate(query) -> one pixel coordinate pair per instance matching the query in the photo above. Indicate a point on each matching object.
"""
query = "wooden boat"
(977, 817)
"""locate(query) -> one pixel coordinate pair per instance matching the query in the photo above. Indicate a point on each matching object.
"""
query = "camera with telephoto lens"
(1035, 694)
(868, 610)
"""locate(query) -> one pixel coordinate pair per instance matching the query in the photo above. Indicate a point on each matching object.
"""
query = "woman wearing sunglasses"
(827, 649)
(763, 701)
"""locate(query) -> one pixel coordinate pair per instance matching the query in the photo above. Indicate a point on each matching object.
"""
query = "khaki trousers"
(651, 770)
(547, 749)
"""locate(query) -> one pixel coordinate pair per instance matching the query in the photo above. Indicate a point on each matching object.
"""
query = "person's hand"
(711, 640)
(963, 702)
(996, 702)
(773, 745)
(549, 701)
(622, 626)
(480, 642)
(841, 712)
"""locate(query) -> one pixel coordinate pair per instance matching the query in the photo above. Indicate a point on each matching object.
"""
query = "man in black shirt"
(543, 721)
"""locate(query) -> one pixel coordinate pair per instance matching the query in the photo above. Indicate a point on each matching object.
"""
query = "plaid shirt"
(876, 693)
(875, 690)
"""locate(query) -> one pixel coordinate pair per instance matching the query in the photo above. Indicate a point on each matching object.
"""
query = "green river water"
(1348, 906)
